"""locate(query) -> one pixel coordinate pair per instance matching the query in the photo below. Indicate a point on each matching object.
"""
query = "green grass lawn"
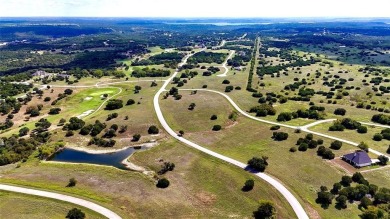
(354, 136)
(18, 206)
(201, 186)
(302, 172)
(71, 106)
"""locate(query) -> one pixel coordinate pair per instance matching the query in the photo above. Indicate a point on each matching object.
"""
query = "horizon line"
(172, 17)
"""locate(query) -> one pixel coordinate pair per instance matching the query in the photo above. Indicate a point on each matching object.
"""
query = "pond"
(108, 159)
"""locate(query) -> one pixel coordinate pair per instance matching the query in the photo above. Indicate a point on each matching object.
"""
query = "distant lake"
(219, 23)
(108, 159)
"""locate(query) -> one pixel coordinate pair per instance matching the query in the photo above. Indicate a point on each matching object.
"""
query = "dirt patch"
(312, 212)
(206, 198)
(338, 162)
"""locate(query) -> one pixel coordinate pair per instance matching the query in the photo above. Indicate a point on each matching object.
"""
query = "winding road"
(224, 65)
(66, 198)
(302, 128)
(297, 207)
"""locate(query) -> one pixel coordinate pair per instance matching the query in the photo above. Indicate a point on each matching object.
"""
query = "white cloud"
(196, 8)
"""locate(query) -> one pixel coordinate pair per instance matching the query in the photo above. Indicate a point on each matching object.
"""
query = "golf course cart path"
(224, 65)
(66, 198)
(297, 207)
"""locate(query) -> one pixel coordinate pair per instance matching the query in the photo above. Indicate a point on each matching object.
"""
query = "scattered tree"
(249, 184)
(266, 210)
(162, 183)
(75, 213)
(72, 182)
(153, 130)
(258, 164)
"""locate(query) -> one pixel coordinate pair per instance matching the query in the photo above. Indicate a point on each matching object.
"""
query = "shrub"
(340, 111)
(324, 197)
(365, 202)
(357, 177)
(275, 127)
(225, 81)
(309, 137)
(293, 149)
(192, 106)
(346, 181)
(362, 129)
(388, 150)
(136, 137)
(342, 201)
(47, 99)
(258, 164)
(23, 131)
(72, 182)
(69, 133)
(153, 130)
(130, 102)
(284, 116)
(312, 144)
(54, 111)
(383, 160)
(279, 136)
(229, 88)
(213, 117)
(114, 104)
(74, 124)
(325, 153)
(216, 128)
(336, 127)
(363, 146)
(75, 213)
(265, 210)
(336, 145)
(162, 183)
(167, 166)
(303, 147)
(249, 184)
(377, 137)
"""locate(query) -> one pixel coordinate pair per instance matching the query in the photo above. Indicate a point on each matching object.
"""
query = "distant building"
(40, 73)
(358, 159)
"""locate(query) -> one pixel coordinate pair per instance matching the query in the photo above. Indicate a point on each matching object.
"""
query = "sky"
(194, 8)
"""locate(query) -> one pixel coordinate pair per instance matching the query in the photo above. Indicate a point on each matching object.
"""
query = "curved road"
(302, 128)
(84, 203)
(297, 207)
(225, 63)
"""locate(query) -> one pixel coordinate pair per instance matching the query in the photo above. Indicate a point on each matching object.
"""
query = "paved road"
(373, 124)
(224, 65)
(302, 128)
(87, 204)
(316, 123)
(297, 207)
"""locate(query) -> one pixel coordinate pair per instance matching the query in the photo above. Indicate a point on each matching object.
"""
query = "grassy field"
(302, 172)
(354, 136)
(20, 206)
(201, 186)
